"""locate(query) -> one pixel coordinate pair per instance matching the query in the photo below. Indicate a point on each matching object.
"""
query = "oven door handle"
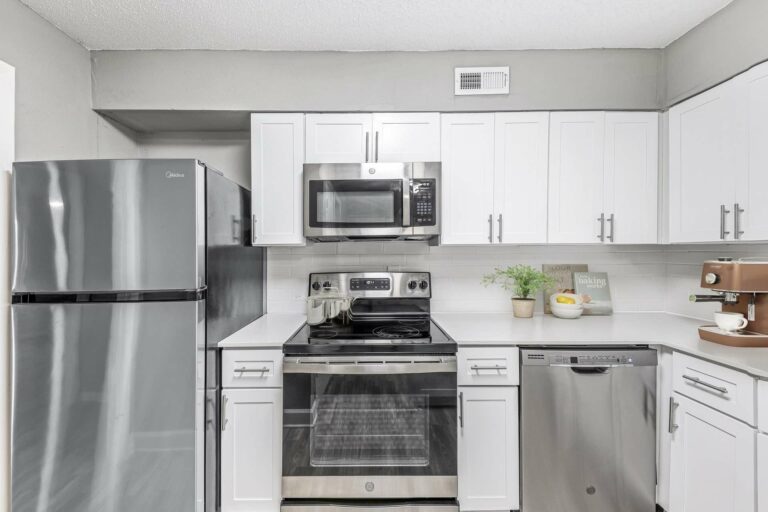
(432, 365)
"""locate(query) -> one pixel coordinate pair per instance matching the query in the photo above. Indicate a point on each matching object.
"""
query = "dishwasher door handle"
(590, 370)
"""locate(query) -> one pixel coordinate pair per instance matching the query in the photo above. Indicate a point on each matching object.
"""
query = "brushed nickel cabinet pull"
(494, 367)
(611, 219)
(601, 220)
(376, 147)
(223, 412)
(723, 213)
(490, 228)
(672, 408)
(461, 409)
(501, 230)
(367, 144)
(737, 211)
(698, 381)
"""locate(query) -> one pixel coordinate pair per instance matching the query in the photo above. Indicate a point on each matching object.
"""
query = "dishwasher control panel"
(586, 357)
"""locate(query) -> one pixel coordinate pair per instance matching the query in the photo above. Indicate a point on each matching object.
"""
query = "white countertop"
(676, 332)
(502, 329)
(269, 331)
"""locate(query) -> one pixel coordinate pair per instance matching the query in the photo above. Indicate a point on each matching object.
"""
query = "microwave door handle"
(406, 202)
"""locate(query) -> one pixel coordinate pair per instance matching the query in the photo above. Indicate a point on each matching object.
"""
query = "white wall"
(642, 278)
(7, 108)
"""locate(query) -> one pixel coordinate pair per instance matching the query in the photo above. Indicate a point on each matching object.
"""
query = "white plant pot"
(523, 308)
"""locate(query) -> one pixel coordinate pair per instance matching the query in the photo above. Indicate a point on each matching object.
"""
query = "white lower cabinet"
(713, 461)
(489, 450)
(664, 397)
(251, 450)
(762, 472)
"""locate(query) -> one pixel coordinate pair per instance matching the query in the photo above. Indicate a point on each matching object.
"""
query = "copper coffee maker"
(741, 287)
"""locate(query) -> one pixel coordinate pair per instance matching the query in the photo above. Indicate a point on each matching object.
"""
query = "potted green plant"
(524, 281)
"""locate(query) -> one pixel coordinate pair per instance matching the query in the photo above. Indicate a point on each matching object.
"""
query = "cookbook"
(562, 273)
(594, 289)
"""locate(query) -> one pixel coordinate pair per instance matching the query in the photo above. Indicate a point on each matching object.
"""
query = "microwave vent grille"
(471, 81)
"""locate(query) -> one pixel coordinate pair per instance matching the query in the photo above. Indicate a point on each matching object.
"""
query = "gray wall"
(371, 81)
(726, 44)
(53, 93)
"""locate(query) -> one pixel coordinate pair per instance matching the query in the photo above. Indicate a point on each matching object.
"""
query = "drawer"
(762, 406)
(489, 366)
(729, 391)
(252, 369)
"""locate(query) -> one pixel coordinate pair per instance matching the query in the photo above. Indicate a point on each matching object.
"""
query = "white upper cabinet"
(467, 178)
(713, 461)
(520, 177)
(752, 187)
(277, 156)
(577, 142)
(396, 137)
(631, 177)
(703, 166)
(406, 137)
(338, 138)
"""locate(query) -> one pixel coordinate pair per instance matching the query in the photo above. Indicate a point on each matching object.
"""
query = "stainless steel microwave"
(379, 201)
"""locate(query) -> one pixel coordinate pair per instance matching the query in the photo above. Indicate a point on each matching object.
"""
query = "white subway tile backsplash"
(643, 278)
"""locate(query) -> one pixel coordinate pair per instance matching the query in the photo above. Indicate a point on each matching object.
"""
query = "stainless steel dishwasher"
(588, 430)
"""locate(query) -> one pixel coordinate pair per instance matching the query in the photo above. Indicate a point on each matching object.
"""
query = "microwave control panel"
(423, 202)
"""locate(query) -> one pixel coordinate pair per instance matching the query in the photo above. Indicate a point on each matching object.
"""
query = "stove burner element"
(396, 331)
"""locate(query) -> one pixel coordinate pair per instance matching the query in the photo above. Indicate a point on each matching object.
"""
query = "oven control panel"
(362, 283)
(412, 285)
(423, 202)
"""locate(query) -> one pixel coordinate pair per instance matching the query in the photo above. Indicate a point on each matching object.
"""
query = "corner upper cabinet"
(251, 450)
(379, 137)
(277, 157)
(467, 179)
(338, 138)
(703, 166)
(631, 180)
(577, 144)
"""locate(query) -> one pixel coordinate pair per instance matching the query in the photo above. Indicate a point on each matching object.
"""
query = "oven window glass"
(356, 207)
(355, 203)
(370, 430)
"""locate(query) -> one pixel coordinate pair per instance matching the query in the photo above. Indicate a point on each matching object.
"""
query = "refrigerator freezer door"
(108, 407)
(105, 225)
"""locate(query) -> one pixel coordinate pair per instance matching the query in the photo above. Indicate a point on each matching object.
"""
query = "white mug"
(730, 321)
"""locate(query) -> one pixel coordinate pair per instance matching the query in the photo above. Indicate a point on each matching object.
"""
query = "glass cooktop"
(406, 335)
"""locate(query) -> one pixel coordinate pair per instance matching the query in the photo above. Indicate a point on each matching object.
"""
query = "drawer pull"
(251, 370)
(700, 382)
(494, 367)
(461, 410)
(672, 427)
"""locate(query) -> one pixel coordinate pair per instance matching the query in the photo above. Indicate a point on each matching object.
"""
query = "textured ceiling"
(375, 25)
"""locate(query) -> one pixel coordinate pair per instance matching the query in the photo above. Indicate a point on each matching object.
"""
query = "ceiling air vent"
(482, 81)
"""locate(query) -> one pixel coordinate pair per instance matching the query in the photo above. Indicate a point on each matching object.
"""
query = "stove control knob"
(315, 286)
(423, 285)
(711, 278)
(412, 285)
(327, 284)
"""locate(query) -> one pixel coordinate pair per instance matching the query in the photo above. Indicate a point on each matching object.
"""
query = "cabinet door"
(576, 176)
(520, 177)
(713, 461)
(753, 185)
(251, 450)
(631, 177)
(762, 473)
(664, 406)
(338, 138)
(277, 157)
(467, 153)
(701, 165)
(489, 450)
(408, 137)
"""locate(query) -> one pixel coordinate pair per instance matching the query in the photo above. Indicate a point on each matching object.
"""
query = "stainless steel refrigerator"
(126, 273)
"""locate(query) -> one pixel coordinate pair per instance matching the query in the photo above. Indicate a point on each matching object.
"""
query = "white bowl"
(567, 313)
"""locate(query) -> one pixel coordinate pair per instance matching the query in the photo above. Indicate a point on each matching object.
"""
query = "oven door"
(369, 427)
(349, 200)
